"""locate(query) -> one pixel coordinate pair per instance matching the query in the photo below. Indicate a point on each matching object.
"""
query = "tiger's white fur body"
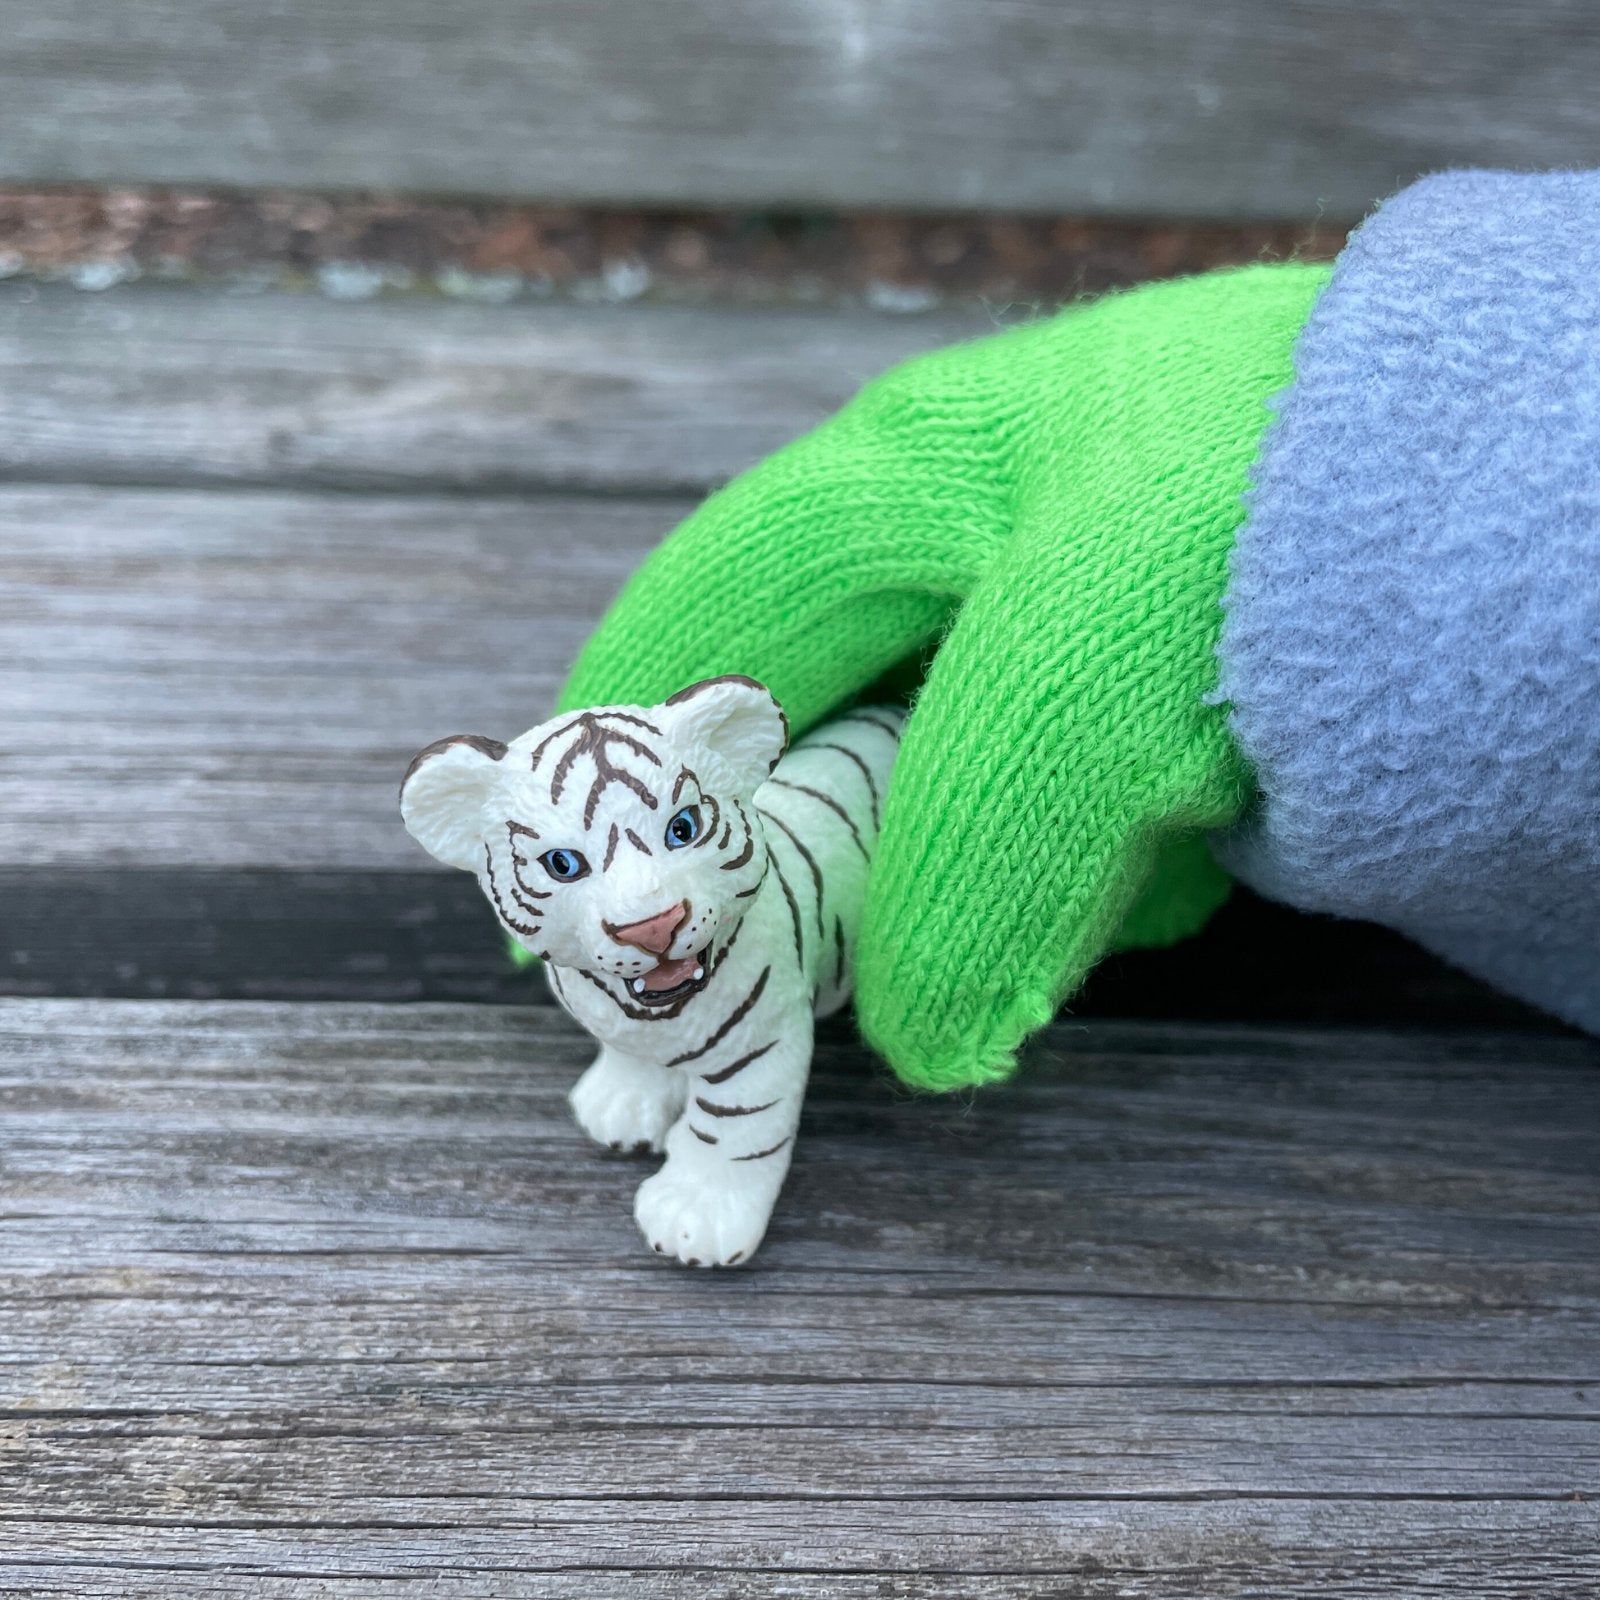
(750, 923)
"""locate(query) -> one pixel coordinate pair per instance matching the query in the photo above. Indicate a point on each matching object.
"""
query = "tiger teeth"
(637, 984)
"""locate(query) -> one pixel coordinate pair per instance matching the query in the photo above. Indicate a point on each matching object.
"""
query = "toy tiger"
(694, 893)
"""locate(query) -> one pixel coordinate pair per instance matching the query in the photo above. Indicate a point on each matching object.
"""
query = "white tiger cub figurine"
(695, 900)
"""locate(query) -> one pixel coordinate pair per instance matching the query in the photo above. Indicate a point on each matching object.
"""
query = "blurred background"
(353, 355)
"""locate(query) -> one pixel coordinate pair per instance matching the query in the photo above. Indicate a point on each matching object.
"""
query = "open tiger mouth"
(669, 980)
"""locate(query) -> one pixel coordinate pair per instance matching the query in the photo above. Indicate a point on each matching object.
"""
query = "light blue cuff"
(1411, 649)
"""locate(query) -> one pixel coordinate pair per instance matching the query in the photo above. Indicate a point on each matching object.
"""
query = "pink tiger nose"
(652, 934)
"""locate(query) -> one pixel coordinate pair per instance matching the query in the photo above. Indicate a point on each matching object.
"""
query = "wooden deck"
(313, 1294)
(333, 1299)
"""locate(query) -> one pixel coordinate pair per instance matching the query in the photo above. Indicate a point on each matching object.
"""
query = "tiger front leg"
(728, 1155)
(626, 1104)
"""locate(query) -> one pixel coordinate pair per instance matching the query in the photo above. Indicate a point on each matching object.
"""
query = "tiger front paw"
(625, 1106)
(701, 1223)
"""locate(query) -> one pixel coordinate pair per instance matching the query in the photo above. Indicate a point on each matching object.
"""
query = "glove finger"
(1020, 828)
(1064, 739)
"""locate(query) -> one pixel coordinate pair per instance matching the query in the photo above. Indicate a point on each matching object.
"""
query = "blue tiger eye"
(684, 828)
(565, 866)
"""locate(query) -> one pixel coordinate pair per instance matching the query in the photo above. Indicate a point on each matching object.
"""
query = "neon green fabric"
(1062, 499)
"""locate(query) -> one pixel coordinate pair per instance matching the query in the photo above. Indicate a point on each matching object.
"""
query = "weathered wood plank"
(235, 679)
(178, 386)
(865, 1551)
(1493, 1568)
(953, 1548)
(337, 1292)
(1237, 108)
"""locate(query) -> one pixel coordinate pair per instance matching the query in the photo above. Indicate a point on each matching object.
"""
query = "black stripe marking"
(499, 905)
(585, 716)
(805, 855)
(540, 748)
(715, 823)
(611, 847)
(738, 1066)
(731, 1111)
(603, 779)
(515, 831)
(838, 960)
(749, 843)
(866, 772)
(738, 1015)
(518, 862)
(794, 913)
(522, 902)
(757, 1155)
(871, 721)
(832, 804)
(719, 956)
(756, 887)
(595, 740)
(636, 841)
(704, 1138)
(636, 745)
(638, 722)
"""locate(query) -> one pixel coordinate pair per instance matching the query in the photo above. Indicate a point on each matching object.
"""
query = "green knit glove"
(1062, 498)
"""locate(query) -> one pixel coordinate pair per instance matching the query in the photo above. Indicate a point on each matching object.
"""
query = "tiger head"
(620, 841)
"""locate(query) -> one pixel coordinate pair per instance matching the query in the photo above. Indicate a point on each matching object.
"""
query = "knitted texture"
(1412, 642)
(1062, 499)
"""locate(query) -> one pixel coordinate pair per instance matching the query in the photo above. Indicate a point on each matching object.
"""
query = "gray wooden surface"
(336, 1294)
(224, 678)
(236, 676)
(1235, 108)
(183, 386)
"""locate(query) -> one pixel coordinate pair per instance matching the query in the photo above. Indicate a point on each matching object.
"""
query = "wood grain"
(240, 678)
(337, 1293)
(1239, 108)
(158, 385)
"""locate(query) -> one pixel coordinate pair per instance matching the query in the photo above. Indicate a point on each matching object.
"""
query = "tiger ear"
(736, 720)
(442, 795)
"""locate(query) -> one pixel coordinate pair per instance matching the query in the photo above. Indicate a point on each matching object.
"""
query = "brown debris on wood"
(359, 246)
